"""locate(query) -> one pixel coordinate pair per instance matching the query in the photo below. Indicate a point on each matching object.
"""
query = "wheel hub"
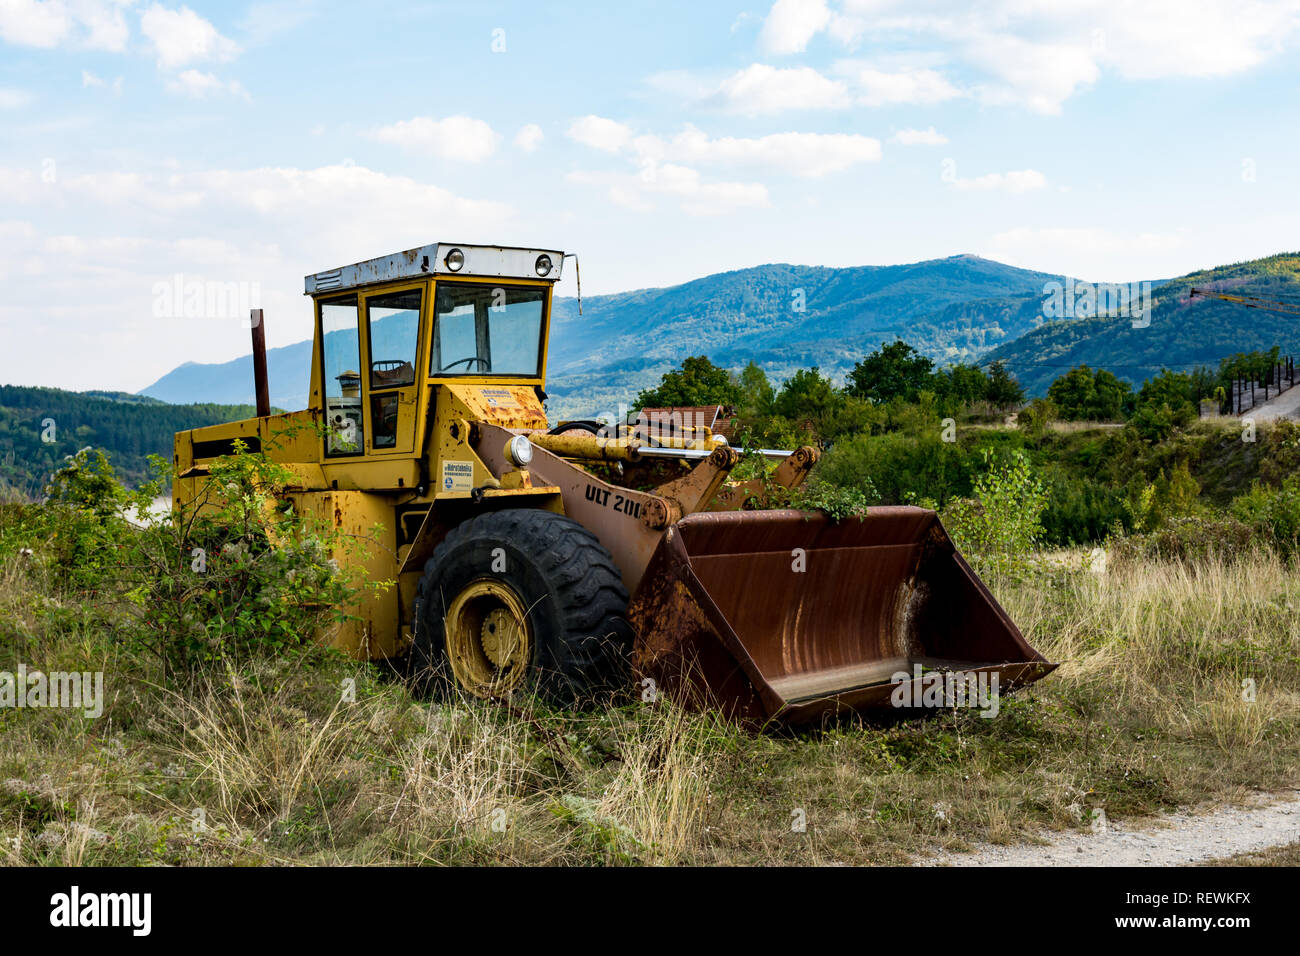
(489, 643)
(501, 636)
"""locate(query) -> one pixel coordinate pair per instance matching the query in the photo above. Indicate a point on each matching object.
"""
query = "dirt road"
(1286, 405)
(1175, 839)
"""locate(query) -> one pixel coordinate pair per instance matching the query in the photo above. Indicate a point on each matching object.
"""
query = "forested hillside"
(1183, 332)
(39, 427)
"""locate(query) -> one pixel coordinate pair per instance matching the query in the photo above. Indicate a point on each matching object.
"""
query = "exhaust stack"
(259, 364)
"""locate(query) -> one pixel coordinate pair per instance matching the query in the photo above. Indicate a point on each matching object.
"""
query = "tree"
(756, 392)
(895, 370)
(697, 382)
(961, 384)
(1082, 394)
(1003, 389)
(1074, 393)
(1170, 390)
(1114, 395)
(807, 394)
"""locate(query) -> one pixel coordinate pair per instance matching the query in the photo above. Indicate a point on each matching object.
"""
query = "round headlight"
(455, 260)
(543, 265)
(520, 450)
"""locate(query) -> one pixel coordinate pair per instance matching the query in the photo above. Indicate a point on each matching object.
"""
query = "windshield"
(487, 330)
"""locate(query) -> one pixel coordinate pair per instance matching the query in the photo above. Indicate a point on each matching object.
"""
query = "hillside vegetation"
(40, 427)
(1183, 332)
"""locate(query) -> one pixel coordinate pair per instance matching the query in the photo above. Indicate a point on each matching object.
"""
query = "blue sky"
(254, 143)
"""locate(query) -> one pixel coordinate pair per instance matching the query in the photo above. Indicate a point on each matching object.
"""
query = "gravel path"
(1174, 839)
(1286, 405)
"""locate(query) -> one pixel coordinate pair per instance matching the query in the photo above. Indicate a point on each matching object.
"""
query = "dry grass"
(273, 762)
(1288, 856)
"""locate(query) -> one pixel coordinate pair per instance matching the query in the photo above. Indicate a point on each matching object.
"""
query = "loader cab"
(389, 331)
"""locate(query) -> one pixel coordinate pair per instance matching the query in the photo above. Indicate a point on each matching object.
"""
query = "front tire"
(522, 600)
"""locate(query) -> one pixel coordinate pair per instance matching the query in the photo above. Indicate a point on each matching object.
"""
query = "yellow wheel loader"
(526, 557)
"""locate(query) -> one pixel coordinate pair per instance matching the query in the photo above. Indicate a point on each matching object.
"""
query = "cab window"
(393, 321)
(487, 330)
(341, 364)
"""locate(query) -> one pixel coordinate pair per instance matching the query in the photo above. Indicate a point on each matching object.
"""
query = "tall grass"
(273, 759)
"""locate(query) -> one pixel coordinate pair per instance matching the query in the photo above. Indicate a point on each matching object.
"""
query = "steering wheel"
(483, 364)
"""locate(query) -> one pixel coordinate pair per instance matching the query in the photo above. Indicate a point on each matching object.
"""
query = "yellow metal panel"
(510, 406)
(372, 474)
(377, 632)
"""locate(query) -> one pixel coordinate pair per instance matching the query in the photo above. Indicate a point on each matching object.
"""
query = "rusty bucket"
(789, 616)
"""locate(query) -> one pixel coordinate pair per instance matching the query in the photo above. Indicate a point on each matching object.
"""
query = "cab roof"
(506, 262)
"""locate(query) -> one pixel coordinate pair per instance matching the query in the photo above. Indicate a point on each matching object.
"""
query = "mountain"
(783, 316)
(39, 427)
(288, 370)
(1182, 333)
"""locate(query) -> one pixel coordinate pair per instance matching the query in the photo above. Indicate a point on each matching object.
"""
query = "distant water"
(158, 508)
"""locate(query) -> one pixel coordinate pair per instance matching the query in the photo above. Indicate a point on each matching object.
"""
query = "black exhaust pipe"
(259, 364)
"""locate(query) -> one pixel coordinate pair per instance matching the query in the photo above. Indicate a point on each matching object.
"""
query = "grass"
(1288, 855)
(311, 759)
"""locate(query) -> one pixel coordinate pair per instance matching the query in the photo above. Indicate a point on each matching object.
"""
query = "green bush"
(237, 574)
(1274, 513)
(1190, 538)
(1001, 527)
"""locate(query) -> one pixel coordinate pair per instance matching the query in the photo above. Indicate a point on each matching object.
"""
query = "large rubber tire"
(576, 603)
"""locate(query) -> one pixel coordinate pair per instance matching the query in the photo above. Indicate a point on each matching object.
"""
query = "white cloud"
(96, 24)
(919, 137)
(600, 133)
(89, 79)
(199, 85)
(39, 23)
(802, 154)
(763, 89)
(920, 86)
(1038, 55)
(760, 88)
(269, 226)
(460, 138)
(790, 24)
(529, 137)
(11, 99)
(1036, 74)
(1016, 181)
(181, 37)
(103, 22)
(682, 184)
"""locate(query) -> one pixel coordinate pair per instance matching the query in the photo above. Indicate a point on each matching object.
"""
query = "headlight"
(455, 260)
(543, 265)
(520, 451)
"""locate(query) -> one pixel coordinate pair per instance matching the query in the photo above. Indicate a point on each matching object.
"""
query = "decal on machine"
(499, 397)
(457, 476)
(621, 503)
